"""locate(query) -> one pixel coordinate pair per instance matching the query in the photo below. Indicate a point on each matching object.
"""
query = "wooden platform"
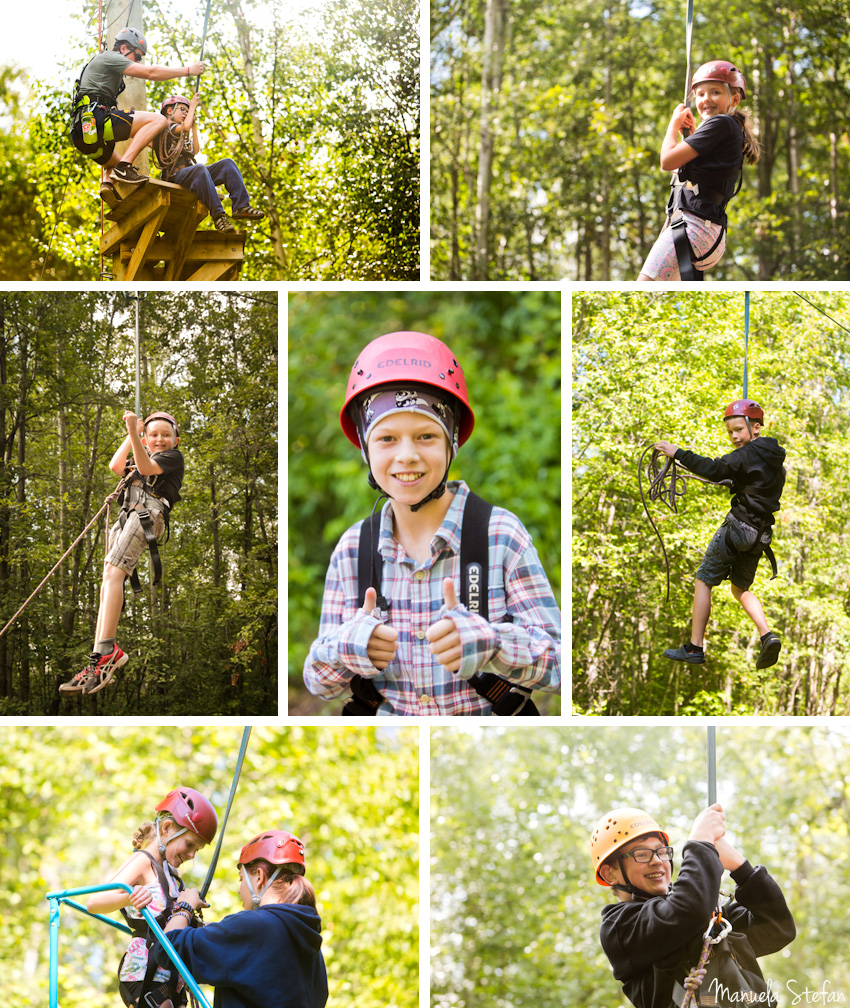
(153, 235)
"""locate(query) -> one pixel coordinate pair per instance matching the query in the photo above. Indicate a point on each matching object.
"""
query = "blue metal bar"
(246, 734)
(100, 917)
(61, 896)
(746, 337)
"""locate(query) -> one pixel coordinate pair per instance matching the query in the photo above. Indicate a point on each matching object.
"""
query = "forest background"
(320, 109)
(547, 121)
(205, 641)
(351, 796)
(664, 366)
(515, 909)
(509, 345)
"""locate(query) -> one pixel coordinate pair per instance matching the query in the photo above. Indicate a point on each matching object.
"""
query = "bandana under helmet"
(368, 409)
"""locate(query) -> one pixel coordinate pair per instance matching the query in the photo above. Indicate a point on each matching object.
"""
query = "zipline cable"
(711, 756)
(746, 338)
(137, 299)
(817, 308)
(246, 734)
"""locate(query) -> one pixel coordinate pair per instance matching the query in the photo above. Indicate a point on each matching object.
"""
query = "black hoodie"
(756, 472)
(265, 958)
(651, 943)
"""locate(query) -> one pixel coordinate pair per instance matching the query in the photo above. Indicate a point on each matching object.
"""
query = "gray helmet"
(132, 38)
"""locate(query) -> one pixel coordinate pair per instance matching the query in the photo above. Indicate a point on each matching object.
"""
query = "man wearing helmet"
(270, 955)
(653, 934)
(757, 475)
(407, 409)
(98, 124)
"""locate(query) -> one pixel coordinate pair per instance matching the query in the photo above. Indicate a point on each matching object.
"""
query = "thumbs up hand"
(444, 639)
(383, 643)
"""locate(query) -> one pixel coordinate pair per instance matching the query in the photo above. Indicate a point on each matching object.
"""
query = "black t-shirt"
(167, 483)
(719, 143)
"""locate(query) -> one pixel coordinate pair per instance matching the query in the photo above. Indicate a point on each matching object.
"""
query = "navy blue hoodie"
(265, 958)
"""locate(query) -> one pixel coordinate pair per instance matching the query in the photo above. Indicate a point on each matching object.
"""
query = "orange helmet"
(276, 846)
(616, 828)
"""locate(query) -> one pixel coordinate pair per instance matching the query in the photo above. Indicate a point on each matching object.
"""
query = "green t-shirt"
(103, 77)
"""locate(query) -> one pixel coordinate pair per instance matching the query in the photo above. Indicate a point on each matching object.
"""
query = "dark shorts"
(121, 123)
(721, 562)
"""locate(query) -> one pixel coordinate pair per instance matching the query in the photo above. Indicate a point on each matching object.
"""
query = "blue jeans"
(202, 180)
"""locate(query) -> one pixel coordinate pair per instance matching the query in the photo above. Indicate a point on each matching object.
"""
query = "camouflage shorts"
(126, 545)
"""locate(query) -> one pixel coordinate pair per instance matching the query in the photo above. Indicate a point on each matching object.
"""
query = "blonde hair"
(147, 831)
(290, 884)
(743, 117)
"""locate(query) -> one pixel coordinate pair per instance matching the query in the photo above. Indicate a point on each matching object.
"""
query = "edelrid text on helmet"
(618, 827)
(407, 357)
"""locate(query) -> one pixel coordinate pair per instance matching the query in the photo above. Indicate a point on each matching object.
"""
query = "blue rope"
(746, 337)
(246, 734)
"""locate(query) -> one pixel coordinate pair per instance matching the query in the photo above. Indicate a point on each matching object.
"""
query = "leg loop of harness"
(684, 253)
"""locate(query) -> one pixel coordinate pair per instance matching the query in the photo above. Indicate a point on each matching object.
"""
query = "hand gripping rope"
(105, 507)
(666, 484)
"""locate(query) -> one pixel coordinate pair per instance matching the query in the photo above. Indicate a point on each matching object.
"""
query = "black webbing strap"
(506, 697)
(150, 537)
(684, 253)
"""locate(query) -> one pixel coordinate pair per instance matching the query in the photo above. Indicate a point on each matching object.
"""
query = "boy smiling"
(757, 475)
(407, 409)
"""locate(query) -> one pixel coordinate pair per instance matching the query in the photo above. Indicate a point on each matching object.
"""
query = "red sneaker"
(101, 669)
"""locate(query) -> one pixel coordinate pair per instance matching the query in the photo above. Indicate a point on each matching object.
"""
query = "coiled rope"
(104, 507)
(666, 483)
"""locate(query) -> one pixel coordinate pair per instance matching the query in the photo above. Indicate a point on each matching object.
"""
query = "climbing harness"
(507, 698)
(104, 507)
(137, 497)
(666, 483)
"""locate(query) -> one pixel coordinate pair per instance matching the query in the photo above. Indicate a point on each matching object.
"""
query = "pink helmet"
(723, 71)
(162, 416)
(411, 357)
(275, 846)
(191, 810)
(744, 408)
(173, 99)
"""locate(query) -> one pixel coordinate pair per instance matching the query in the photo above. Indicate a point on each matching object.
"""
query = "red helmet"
(190, 809)
(174, 99)
(275, 846)
(723, 71)
(162, 416)
(411, 357)
(744, 408)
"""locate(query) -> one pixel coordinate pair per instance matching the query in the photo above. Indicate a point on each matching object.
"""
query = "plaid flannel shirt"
(526, 651)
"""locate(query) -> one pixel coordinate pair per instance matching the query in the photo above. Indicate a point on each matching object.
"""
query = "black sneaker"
(125, 172)
(681, 654)
(769, 652)
(223, 224)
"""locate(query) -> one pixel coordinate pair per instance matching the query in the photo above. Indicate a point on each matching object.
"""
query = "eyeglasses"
(644, 854)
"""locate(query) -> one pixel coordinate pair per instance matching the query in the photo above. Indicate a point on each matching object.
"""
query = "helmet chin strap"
(255, 896)
(162, 846)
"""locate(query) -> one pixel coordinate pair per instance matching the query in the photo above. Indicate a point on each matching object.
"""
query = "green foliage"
(514, 905)
(664, 366)
(509, 346)
(587, 91)
(71, 799)
(207, 642)
(323, 123)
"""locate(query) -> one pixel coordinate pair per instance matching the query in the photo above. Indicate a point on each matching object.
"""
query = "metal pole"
(246, 734)
(137, 299)
(53, 995)
(746, 337)
(712, 765)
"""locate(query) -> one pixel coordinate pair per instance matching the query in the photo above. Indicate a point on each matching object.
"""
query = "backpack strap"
(506, 698)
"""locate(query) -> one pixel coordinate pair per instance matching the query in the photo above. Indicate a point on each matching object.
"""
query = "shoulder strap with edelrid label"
(506, 698)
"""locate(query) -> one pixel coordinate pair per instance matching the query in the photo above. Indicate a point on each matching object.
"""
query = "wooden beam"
(140, 253)
(138, 218)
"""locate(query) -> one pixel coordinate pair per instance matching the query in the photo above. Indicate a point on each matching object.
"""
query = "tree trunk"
(495, 17)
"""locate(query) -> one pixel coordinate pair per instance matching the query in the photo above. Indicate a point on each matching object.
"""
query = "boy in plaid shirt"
(407, 410)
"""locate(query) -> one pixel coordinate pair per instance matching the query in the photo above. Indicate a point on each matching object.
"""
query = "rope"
(711, 759)
(203, 43)
(689, 29)
(105, 507)
(246, 734)
(746, 338)
(666, 484)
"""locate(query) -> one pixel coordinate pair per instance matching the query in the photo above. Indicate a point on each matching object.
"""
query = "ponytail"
(743, 117)
(290, 885)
